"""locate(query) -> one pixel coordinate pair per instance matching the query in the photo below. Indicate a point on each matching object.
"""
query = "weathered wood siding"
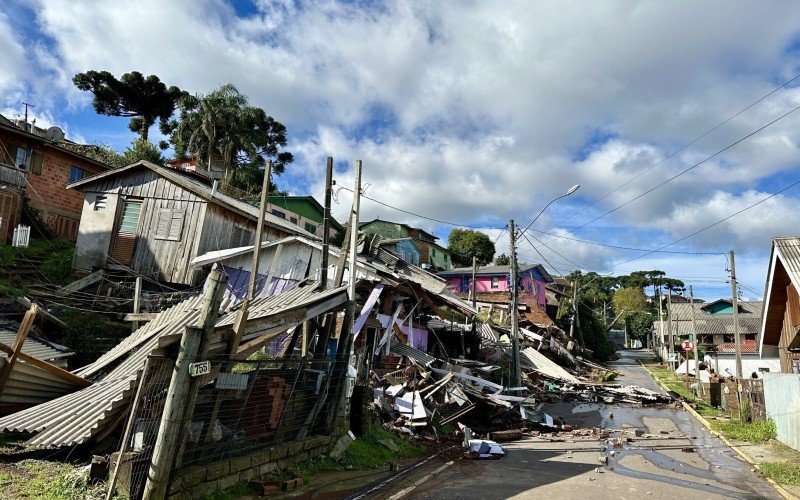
(159, 259)
(791, 319)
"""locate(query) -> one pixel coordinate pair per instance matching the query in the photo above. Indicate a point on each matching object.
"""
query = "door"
(6, 216)
(124, 241)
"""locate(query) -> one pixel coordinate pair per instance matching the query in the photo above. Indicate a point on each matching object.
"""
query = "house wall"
(782, 401)
(532, 289)
(306, 217)
(791, 319)
(407, 251)
(94, 233)
(47, 191)
(387, 230)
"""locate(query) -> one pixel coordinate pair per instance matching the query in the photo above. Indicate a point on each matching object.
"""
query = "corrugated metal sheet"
(409, 352)
(75, 418)
(34, 346)
(789, 251)
(543, 364)
(707, 323)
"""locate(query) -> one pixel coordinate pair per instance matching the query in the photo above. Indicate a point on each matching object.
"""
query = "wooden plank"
(26, 302)
(44, 365)
(140, 316)
(81, 283)
(16, 349)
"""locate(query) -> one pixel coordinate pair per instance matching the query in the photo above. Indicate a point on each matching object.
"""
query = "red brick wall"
(49, 189)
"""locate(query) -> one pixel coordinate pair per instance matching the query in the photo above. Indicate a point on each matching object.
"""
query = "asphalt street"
(676, 457)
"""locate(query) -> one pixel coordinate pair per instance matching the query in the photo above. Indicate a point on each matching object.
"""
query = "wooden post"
(179, 395)
(22, 334)
(326, 223)
(241, 317)
(736, 335)
(669, 326)
(137, 302)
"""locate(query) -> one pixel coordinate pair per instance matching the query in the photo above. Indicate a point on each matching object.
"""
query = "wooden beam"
(44, 365)
(80, 284)
(140, 317)
(16, 349)
(25, 301)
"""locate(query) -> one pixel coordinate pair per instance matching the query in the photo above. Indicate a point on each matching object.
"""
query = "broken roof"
(77, 417)
(200, 188)
(493, 270)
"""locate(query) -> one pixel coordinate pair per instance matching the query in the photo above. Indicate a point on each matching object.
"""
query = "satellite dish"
(54, 134)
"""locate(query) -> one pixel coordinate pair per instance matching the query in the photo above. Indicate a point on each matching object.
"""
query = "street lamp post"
(516, 372)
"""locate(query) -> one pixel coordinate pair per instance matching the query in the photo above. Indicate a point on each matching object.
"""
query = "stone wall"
(199, 481)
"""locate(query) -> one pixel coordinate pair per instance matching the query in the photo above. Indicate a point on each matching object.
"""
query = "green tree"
(143, 150)
(502, 260)
(466, 243)
(143, 99)
(639, 324)
(629, 300)
(221, 127)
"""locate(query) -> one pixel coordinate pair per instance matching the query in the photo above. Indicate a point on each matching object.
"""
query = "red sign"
(688, 345)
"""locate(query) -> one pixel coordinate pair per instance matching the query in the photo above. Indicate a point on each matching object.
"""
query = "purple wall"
(531, 288)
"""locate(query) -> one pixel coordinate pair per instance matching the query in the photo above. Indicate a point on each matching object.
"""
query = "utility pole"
(660, 323)
(473, 291)
(27, 105)
(574, 309)
(515, 371)
(694, 337)
(326, 223)
(351, 304)
(736, 334)
(669, 327)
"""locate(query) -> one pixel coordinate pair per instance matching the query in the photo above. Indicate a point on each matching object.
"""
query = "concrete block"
(261, 457)
(267, 468)
(226, 482)
(191, 476)
(217, 470)
(280, 451)
(240, 464)
(295, 447)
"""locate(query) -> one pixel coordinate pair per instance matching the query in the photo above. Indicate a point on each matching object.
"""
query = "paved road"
(651, 466)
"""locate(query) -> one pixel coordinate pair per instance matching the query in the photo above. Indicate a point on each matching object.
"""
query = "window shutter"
(37, 163)
(164, 221)
(176, 225)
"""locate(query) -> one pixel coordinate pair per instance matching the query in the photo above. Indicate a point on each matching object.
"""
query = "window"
(37, 163)
(130, 216)
(22, 156)
(446, 257)
(76, 174)
(433, 252)
(240, 237)
(293, 220)
(100, 203)
(311, 228)
(170, 224)
(278, 213)
(495, 282)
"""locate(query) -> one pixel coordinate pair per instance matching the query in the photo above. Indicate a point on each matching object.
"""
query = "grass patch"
(752, 432)
(782, 473)
(48, 481)
(677, 384)
(53, 259)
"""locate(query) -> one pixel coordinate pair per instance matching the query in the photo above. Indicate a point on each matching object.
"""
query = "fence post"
(178, 394)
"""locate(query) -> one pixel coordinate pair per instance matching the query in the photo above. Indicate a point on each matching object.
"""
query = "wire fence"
(246, 406)
(136, 447)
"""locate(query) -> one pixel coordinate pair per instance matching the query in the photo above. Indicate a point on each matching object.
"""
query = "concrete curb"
(785, 494)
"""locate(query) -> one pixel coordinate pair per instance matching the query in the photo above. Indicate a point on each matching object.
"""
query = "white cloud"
(475, 112)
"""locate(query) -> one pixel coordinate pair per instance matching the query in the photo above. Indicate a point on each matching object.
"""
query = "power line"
(682, 148)
(622, 247)
(776, 193)
(729, 146)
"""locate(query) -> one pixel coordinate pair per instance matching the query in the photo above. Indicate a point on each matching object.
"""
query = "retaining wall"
(202, 480)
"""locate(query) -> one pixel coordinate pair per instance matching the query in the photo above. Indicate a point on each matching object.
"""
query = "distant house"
(493, 279)
(303, 211)
(36, 168)
(191, 164)
(433, 256)
(714, 323)
(154, 220)
(405, 248)
(780, 327)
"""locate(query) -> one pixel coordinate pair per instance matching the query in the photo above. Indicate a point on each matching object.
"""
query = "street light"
(569, 192)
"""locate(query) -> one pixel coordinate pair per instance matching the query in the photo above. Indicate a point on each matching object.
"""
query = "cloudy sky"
(478, 112)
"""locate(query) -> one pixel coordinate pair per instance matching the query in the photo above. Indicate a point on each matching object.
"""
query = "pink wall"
(531, 288)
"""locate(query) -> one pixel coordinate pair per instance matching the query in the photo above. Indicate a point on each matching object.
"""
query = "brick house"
(37, 169)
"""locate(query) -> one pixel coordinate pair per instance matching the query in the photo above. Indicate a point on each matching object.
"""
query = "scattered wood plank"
(140, 316)
(80, 284)
(16, 349)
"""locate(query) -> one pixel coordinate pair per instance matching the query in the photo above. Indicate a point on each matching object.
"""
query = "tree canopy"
(502, 260)
(466, 243)
(221, 127)
(143, 99)
(142, 150)
(629, 300)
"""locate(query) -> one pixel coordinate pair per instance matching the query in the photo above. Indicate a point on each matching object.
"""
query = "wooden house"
(432, 256)
(781, 321)
(154, 220)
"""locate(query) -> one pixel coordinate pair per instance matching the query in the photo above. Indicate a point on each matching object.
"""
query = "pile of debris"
(421, 394)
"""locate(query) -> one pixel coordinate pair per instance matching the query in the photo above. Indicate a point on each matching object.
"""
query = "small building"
(433, 257)
(37, 167)
(405, 248)
(154, 220)
(493, 279)
(303, 211)
(780, 327)
(714, 321)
